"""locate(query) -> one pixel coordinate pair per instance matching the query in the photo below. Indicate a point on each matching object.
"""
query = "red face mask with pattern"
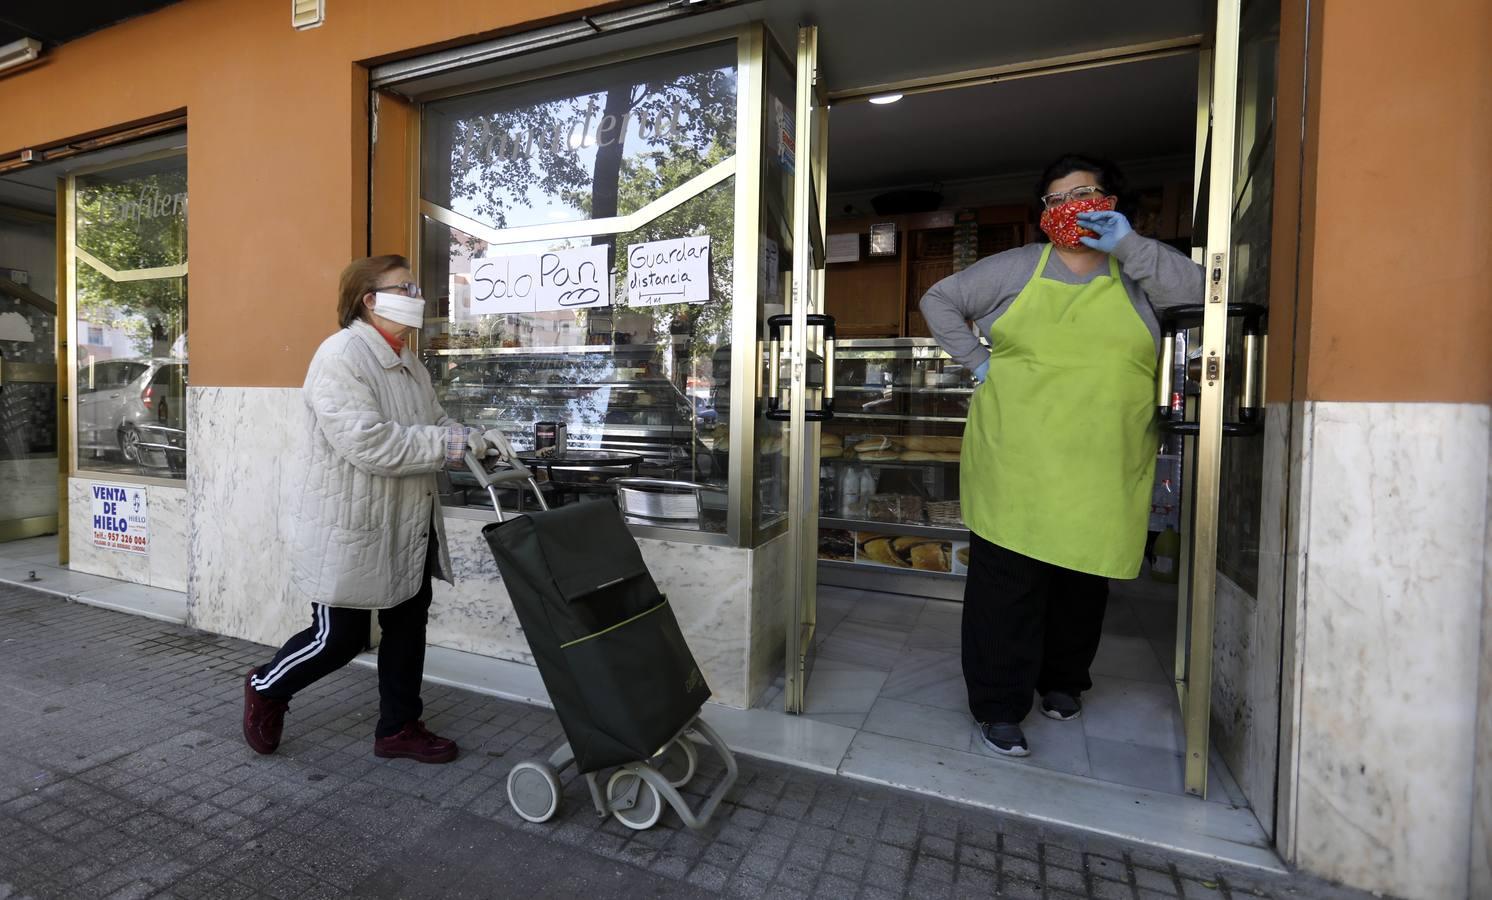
(1061, 223)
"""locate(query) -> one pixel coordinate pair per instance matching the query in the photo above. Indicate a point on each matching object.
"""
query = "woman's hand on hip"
(1112, 227)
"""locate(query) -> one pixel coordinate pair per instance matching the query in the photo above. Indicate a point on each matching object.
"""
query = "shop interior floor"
(888, 664)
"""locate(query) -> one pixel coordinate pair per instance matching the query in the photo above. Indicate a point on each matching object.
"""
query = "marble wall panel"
(164, 566)
(710, 591)
(1297, 526)
(1481, 825)
(475, 614)
(29, 488)
(1391, 644)
(169, 537)
(708, 588)
(246, 445)
(82, 555)
(240, 491)
(769, 592)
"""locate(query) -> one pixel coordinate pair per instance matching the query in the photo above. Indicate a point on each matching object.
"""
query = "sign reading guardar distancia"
(121, 518)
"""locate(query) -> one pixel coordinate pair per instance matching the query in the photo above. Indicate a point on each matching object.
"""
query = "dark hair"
(361, 277)
(1109, 176)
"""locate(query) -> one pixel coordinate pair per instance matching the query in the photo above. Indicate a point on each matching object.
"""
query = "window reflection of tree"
(134, 222)
(680, 122)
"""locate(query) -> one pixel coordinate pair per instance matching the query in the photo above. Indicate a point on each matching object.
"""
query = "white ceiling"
(1133, 111)
(866, 42)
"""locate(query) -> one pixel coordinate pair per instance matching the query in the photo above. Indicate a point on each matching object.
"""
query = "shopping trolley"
(627, 690)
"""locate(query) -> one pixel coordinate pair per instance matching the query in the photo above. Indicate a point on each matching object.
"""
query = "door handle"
(775, 410)
(1171, 400)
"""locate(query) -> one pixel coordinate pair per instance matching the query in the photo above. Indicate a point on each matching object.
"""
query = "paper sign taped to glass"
(673, 271)
(577, 278)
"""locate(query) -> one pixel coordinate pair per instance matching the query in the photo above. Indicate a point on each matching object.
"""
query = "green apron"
(1059, 451)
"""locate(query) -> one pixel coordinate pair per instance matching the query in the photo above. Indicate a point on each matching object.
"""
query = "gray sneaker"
(1004, 738)
(1062, 706)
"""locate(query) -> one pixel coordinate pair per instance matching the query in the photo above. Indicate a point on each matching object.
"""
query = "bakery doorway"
(893, 550)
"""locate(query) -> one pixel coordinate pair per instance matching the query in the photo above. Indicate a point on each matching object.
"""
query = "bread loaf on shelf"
(931, 557)
(878, 442)
(880, 550)
(932, 443)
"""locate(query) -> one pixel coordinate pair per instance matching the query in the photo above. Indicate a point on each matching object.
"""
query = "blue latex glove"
(1111, 227)
(981, 372)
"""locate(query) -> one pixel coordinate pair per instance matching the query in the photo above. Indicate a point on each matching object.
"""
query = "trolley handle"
(515, 471)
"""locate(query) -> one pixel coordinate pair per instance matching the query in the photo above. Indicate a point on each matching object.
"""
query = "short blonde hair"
(361, 277)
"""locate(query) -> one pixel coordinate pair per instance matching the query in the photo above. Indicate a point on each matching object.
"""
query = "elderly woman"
(368, 534)
(1059, 450)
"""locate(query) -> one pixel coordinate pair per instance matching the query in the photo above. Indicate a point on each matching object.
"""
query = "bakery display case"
(889, 469)
(628, 411)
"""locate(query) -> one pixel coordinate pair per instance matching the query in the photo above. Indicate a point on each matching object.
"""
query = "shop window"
(539, 201)
(128, 262)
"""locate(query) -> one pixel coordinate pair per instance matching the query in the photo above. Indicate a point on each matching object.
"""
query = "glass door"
(807, 371)
(28, 373)
(1203, 331)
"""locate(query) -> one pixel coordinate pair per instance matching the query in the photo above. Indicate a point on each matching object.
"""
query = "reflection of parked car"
(135, 408)
(704, 408)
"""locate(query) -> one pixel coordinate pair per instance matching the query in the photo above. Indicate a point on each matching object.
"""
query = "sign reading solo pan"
(541, 282)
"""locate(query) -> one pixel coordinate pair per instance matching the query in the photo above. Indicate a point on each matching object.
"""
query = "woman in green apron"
(1059, 449)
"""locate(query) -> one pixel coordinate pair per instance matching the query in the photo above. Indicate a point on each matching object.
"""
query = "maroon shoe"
(415, 742)
(263, 718)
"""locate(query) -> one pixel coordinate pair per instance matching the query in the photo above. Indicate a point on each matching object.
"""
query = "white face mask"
(408, 311)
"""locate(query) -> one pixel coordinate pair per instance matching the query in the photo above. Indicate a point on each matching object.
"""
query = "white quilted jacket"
(367, 503)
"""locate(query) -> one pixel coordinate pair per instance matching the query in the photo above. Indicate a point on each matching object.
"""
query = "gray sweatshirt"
(1155, 275)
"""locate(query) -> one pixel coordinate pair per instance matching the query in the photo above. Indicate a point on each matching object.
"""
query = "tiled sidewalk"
(122, 773)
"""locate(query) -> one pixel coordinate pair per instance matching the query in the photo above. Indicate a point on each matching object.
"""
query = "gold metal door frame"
(810, 118)
(1201, 586)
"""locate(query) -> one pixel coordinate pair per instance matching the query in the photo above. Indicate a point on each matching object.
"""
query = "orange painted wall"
(1395, 285)
(1398, 188)
(277, 148)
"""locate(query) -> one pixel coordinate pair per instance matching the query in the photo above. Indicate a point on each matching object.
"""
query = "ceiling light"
(883, 99)
(19, 53)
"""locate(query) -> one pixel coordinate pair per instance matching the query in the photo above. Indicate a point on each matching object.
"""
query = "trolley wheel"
(534, 791)
(678, 761)
(633, 801)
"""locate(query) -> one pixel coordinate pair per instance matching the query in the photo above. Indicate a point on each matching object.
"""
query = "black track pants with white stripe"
(338, 633)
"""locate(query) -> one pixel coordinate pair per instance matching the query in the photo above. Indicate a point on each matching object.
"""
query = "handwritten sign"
(676, 271)
(121, 518)
(540, 282)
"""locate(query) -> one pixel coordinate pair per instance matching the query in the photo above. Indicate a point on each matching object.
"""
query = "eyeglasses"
(1086, 192)
(407, 288)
